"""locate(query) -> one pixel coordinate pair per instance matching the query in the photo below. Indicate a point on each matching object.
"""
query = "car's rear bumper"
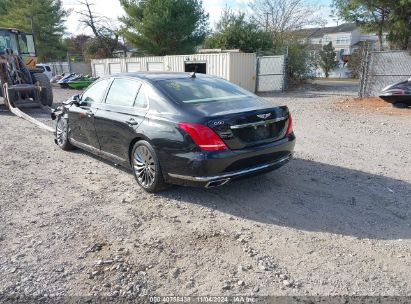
(220, 167)
(220, 180)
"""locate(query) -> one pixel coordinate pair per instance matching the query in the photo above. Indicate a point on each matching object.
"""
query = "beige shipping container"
(238, 68)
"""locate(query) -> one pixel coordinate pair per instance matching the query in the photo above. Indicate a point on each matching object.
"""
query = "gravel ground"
(334, 221)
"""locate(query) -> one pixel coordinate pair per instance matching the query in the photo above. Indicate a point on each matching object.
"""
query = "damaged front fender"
(61, 110)
(56, 113)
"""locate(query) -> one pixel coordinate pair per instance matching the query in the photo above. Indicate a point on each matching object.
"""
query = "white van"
(46, 69)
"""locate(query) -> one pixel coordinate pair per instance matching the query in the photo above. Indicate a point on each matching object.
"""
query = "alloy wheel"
(144, 166)
(61, 132)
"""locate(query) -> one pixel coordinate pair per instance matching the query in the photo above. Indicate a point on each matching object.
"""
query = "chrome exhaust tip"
(217, 183)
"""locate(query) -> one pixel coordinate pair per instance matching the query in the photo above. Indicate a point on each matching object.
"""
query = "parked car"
(399, 94)
(46, 69)
(177, 128)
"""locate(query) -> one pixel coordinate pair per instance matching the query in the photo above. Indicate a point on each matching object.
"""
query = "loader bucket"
(22, 89)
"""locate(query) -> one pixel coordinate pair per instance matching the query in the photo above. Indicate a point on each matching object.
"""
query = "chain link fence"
(381, 68)
(271, 73)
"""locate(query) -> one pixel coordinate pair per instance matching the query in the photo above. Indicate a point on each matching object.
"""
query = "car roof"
(156, 76)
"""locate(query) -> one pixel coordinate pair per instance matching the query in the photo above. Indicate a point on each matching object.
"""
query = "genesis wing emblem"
(264, 116)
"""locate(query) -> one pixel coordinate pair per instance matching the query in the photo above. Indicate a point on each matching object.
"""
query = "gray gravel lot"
(334, 221)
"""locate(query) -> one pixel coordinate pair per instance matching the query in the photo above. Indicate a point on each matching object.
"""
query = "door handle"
(90, 113)
(132, 122)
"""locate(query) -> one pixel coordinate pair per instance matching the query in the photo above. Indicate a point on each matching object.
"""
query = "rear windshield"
(199, 90)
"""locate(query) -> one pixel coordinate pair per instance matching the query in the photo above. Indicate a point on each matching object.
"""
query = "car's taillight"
(203, 136)
(290, 125)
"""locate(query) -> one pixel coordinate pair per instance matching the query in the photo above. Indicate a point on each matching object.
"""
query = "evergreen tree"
(233, 31)
(164, 27)
(327, 60)
(380, 16)
(399, 32)
(45, 18)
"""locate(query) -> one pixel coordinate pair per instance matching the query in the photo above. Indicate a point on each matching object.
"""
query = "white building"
(345, 39)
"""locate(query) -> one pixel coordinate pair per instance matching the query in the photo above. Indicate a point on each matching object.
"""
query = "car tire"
(400, 105)
(46, 94)
(62, 134)
(146, 167)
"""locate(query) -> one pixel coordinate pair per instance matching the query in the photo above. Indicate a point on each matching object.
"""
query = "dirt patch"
(371, 104)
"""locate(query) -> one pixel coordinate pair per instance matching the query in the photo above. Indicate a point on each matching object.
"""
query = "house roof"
(321, 31)
(305, 33)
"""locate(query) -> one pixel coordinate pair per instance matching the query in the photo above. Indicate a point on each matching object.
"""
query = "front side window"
(200, 90)
(23, 44)
(8, 41)
(3, 42)
(123, 92)
(96, 92)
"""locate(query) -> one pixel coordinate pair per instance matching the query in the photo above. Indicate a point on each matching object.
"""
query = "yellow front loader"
(20, 82)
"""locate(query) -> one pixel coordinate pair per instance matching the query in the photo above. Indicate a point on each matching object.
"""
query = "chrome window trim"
(260, 123)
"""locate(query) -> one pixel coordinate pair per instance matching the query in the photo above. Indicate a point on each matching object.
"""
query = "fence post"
(364, 71)
(257, 67)
(68, 61)
(285, 69)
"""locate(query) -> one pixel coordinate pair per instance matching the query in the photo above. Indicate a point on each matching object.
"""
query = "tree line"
(160, 27)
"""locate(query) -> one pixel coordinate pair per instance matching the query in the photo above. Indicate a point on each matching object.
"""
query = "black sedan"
(399, 94)
(177, 128)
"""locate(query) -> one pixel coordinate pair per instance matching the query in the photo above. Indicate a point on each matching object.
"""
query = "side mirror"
(76, 100)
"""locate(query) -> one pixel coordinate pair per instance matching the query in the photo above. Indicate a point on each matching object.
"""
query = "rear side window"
(141, 100)
(48, 68)
(201, 90)
(123, 92)
(96, 92)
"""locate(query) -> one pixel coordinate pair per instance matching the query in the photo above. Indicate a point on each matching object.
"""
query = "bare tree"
(106, 37)
(89, 19)
(280, 17)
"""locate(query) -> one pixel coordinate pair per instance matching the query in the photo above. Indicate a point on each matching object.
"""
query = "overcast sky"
(113, 9)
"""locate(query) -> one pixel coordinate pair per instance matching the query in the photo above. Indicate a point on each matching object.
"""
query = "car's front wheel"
(146, 167)
(62, 138)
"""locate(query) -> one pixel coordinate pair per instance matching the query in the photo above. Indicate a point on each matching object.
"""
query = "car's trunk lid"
(251, 128)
